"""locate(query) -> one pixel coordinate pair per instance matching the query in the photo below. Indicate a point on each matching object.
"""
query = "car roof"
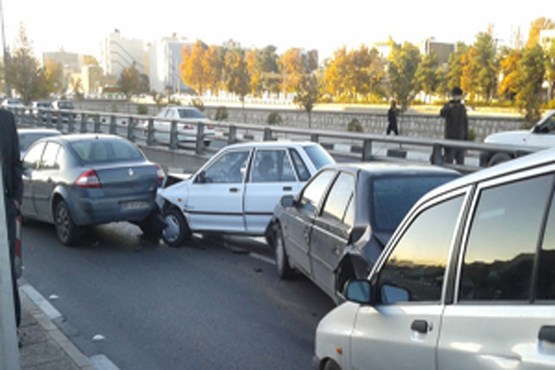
(270, 144)
(530, 161)
(38, 130)
(385, 168)
(71, 138)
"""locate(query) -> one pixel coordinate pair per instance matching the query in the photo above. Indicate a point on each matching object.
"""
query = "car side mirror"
(287, 201)
(356, 233)
(359, 291)
(394, 294)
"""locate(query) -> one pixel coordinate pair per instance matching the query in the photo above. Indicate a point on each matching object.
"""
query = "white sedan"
(236, 191)
(187, 119)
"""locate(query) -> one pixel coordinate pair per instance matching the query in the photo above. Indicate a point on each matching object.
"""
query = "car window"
(393, 197)
(315, 190)
(300, 166)
(318, 156)
(106, 151)
(32, 158)
(49, 156)
(229, 168)
(415, 269)
(546, 273)
(503, 239)
(339, 198)
(272, 166)
(190, 113)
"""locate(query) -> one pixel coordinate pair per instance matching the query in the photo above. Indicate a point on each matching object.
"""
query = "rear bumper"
(86, 211)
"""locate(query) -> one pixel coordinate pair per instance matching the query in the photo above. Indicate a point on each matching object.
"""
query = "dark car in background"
(335, 229)
(82, 180)
(28, 136)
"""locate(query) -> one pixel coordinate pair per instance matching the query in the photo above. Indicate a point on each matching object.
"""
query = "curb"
(44, 313)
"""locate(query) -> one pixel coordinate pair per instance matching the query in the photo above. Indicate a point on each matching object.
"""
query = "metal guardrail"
(361, 146)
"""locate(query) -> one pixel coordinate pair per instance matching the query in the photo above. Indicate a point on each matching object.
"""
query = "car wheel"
(331, 365)
(65, 227)
(499, 158)
(176, 231)
(152, 225)
(284, 270)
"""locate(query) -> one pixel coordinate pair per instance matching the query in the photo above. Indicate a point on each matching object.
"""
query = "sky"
(80, 26)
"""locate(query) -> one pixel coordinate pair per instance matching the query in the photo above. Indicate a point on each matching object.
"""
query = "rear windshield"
(190, 113)
(65, 105)
(105, 151)
(393, 197)
(318, 156)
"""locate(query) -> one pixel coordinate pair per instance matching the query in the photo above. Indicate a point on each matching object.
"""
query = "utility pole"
(5, 53)
(9, 351)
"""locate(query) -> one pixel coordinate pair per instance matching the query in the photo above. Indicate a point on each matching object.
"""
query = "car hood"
(175, 193)
(508, 137)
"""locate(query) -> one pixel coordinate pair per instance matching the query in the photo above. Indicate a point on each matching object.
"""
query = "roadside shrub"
(142, 109)
(471, 134)
(354, 126)
(221, 114)
(274, 119)
(197, 103)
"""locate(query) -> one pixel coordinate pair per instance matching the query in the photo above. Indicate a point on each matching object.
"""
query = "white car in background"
(541, 135)
(187, 119)
(12, 103)
(236, 191)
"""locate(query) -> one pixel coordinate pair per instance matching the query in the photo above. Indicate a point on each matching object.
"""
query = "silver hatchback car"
(80, 180)
(467, 281)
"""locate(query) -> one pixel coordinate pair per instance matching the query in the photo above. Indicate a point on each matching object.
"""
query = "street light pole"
(5, 53)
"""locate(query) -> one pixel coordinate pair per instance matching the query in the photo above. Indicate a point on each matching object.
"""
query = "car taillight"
(188, 126)
(88, 179)
(160, 175)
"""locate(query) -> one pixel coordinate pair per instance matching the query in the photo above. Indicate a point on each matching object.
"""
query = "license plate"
(130, 206)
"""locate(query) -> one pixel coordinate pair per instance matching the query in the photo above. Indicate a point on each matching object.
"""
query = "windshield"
(318, 156)
(393, 197)
(190, 113)
(65, 105)
(106, 151)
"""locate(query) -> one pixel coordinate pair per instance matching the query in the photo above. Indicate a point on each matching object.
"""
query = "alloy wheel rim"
(171, 231)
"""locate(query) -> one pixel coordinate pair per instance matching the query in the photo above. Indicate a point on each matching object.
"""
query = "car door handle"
(287, 188)
(420, 326)
(547, 333)
(233, 190)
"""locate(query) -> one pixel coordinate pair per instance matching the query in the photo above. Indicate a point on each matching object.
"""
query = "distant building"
(441, 49)
(119, 53)
(547, 38)
(92, 80)
(163, 64)
(71, 62)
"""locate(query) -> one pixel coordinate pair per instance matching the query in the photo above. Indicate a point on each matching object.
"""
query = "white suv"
(467, 281)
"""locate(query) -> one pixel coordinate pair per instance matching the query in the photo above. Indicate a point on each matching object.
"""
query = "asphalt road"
(209, 305)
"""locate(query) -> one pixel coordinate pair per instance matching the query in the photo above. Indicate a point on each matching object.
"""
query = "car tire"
(152, 225)
(498, 158)
(331, 365)
(177, 230)
(283, 268)
(66, 229)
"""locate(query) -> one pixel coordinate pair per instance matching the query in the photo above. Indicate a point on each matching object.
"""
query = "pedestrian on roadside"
(456, 125)
(392, 114)
(13, 191)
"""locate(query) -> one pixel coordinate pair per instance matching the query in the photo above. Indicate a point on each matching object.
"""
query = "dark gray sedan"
(337, 226)
(75, 181)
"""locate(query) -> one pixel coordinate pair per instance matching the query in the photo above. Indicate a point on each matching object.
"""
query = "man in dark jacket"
(392, 114)
(456, 125)
(13, 189)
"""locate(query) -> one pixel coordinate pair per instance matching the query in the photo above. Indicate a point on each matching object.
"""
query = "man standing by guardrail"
(456, 125)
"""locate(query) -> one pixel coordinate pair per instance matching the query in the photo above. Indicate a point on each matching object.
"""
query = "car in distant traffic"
(236, 191)
(80, 180)
(28, 136)
(540, 136)
(12, 103)
(63, 109)
(335, 229)
(187, 119)
(39, 109)
(467, 280)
